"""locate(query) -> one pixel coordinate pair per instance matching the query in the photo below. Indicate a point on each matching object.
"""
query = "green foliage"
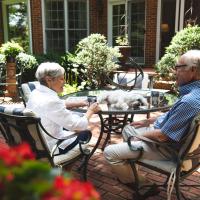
(49, 57)
(97, 59)
(69, 89)
(2, 59)
(122, 40)
(11, 49)
(70, 68)
(171, 98)
(184, 40)
(18, 29)
(25, 61)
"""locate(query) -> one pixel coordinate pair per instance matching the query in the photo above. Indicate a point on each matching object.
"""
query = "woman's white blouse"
(46, 104)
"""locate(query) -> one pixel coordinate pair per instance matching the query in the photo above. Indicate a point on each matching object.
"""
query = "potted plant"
(96, 59)
(124, 47)
(11, 50)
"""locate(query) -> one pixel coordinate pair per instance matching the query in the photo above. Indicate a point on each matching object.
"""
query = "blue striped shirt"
(176, 122)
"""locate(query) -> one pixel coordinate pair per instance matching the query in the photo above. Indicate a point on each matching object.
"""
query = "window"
(137, 28)
(119, 22)
(128, 17)
(66, 24)
(16, 23)
(55, 32)
(77, 16)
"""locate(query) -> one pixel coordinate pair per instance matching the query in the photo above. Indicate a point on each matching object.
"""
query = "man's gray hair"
(192, 58)
(48, 69)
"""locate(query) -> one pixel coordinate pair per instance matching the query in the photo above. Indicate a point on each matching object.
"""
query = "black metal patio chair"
(19, 124)
(186, 161)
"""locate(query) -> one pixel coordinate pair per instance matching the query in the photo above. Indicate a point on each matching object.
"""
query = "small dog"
(122, 99)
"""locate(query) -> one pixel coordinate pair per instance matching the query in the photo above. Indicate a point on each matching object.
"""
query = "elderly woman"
(55, 117)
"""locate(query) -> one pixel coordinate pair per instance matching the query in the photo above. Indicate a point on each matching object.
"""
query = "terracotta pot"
(11, 79)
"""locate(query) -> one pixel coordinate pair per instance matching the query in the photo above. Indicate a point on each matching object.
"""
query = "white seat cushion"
(168, 166)
(69, 155)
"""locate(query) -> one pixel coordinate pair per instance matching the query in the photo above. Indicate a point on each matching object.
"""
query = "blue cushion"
(27, 88)
(16, 111)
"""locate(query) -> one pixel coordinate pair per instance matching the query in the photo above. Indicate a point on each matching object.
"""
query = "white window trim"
(5, 19)
(65, 24)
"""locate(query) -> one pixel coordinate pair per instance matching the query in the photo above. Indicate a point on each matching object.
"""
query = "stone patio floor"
(99, 173)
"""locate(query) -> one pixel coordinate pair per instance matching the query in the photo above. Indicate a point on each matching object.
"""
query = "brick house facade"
(99, 22)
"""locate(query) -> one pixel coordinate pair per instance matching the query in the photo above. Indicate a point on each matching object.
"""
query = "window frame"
(5, 19)
(66, 28)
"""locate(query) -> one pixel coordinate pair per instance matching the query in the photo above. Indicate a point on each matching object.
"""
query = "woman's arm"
(74, 104)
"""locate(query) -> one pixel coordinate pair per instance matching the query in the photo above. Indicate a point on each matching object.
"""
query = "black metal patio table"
(113, 120)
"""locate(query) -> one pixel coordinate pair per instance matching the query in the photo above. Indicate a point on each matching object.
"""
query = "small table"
(108, 123)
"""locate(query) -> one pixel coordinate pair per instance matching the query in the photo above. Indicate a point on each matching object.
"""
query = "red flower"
(25, 151)
(16, 155)
(10, 177)
(72, 189)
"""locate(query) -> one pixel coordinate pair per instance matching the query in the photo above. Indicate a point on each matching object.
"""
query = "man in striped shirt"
(171, 126)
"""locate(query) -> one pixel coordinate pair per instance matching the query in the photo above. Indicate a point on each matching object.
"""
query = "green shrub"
(96, 59)
(49, 57)
(184, 40)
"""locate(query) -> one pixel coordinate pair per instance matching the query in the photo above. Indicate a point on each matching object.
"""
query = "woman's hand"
(94, 108)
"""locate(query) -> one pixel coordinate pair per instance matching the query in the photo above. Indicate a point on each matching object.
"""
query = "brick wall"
(150, 34)
(37, 36)
(98, 16)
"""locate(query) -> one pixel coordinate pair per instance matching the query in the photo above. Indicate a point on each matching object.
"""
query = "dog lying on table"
(122, 100)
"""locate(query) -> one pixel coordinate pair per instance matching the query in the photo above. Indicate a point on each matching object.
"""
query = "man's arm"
(143, 123)
(156, 135)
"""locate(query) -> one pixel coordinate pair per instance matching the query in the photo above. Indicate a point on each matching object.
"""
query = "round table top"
(107, 109)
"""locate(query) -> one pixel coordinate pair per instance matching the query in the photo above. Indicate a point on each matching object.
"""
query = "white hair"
(48, 69)
(192, 58)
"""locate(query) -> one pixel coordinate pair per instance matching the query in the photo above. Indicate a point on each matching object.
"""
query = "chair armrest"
(170, 147)
(132, 148)
(84, 151)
